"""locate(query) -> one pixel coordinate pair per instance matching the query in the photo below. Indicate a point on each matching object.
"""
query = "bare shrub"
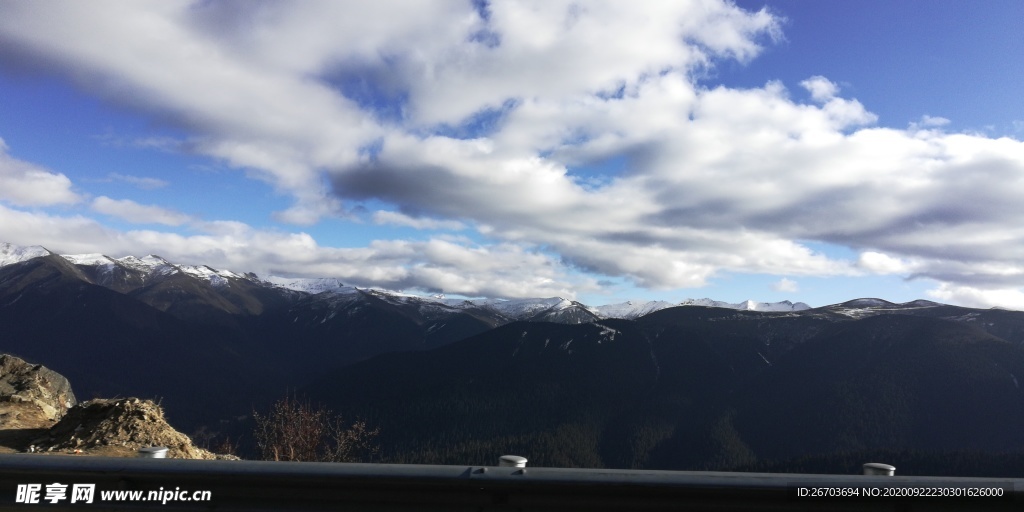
(296, 430)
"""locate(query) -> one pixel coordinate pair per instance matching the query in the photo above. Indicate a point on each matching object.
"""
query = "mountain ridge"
(129, 273)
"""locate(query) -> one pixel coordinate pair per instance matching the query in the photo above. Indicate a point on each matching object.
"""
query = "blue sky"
(764, 149)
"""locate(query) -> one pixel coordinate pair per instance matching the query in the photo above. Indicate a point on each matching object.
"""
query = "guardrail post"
(153, 452)
(512, 461)
(875, 468)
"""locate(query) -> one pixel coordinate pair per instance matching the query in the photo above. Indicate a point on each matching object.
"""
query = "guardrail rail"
(257, 485)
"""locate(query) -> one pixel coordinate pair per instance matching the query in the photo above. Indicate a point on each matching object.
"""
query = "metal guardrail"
(255, 486)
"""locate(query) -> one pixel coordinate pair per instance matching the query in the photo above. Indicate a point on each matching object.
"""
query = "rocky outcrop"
(38, 413)
(31, 395)
(122, 425)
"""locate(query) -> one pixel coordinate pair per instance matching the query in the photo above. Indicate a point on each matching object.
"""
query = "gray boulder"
(31, 392)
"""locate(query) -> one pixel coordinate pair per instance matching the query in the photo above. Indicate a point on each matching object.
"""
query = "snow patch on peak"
(749, 305)
(133, 263)
(776, 306)
(308, 285)
(632, 309)
(519, 308)
(154, 260)
(149, 265)
(709, 303)
(11, 254)
(214, 276)
(92, 260)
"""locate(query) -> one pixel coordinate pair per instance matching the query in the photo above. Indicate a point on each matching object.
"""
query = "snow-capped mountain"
(131, 273)
(96, 259)
(632, 309)
(308, 285)
(147, 268)
(515, 308)
(11, 254)
(550, 309)
(636, 309)
(748, 305)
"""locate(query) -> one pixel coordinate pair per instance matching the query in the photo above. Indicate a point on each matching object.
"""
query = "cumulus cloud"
(26, 184)
(435, 265)
(716, 180)
(786, 285)
(240, 106)
(293, 87)
(400, 219)
(822, 89)
(135, 213)
(969, 296)
(878, 263)
(505, 117)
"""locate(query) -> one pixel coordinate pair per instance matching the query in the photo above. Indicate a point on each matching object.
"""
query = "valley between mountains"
(693, 385)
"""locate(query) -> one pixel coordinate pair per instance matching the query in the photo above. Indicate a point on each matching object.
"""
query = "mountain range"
(131, 274)
(146, 326)
(710, 389)
(693, 385)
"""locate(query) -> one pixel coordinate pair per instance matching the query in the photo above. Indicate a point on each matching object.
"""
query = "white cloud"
(257, 85)
(562, 49)
(400, 219)
(786, 285)
(933, 121)
(709, 180)
(66, 234)
(26, 184)
(142, 182)
(822, 89)
(135, 213)
(310, 208)
(969, 296)
(158, 57)
(928, 122)
(498, 270)
(879, 263)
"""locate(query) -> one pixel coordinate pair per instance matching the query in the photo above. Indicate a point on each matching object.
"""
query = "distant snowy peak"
(522, 308)
(775, 306)
(632, 309)
(636, 309)
(515, 309)
(709, 303)
(146, 267)
(308, 285)
(11, 254)
(152, 266)
(89, 259)
(749, 305)
(214, 276)
(149, 264)
(551, 309)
